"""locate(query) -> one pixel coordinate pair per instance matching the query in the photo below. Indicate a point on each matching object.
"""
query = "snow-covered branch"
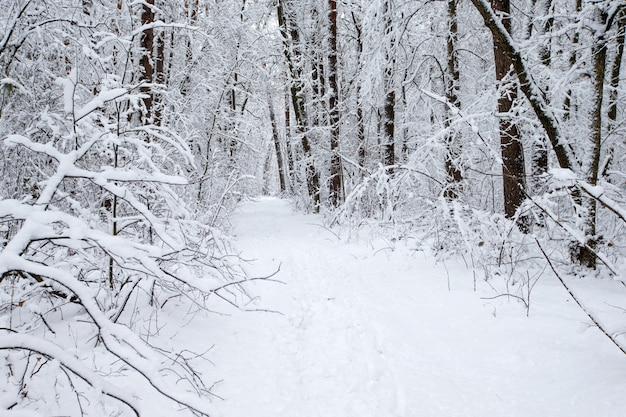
(19, 341)
(529, 87)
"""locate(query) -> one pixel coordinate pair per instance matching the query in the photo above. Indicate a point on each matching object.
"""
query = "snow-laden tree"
(95, 225)
(579, 137)
(130, 129)
(559, 71)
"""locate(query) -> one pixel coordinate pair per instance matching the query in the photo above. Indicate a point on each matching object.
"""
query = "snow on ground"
(369, 331)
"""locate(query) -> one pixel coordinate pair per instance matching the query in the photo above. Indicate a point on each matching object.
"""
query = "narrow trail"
(366, 332)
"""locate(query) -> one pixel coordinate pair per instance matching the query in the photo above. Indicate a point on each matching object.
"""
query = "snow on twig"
(118, 339)
(19, 341)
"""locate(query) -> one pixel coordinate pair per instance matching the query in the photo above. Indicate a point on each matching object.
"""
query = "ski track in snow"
(370, 332)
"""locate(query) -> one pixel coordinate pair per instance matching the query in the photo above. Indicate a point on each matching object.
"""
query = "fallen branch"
(571, 293)
(17, 341)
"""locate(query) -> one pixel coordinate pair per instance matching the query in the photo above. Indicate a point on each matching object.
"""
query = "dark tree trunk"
(513, 166)
(147, 45)
(230, 141)
(289, 143)
(389, 115)
(359, 105)
(159, 77)
(361, 135)
(614, 84)
(389, 154)
(527, 85)
(583, 253)
(336, 177)
(282, 175)
(616, 67)
(291, 36)
(454, 177)
(586, 254)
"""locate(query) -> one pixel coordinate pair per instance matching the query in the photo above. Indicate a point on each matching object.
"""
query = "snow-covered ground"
(363, 330)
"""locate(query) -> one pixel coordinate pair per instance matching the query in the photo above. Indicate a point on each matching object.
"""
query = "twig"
(117, 315)
(70, 363)
(593, 320)
(506, 295)
(243, 281)
(572, 233)
(326, 228)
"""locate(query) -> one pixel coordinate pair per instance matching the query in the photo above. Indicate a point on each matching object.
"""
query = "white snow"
(562, 174)
(99, 101)
(368, 331)
(69, 86)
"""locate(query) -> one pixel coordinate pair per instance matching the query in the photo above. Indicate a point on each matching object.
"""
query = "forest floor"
(361, 328)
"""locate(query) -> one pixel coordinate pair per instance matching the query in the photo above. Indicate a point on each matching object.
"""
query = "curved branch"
(528, 86)
(19, 341)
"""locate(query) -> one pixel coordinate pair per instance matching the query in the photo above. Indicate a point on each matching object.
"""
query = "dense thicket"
(493, 131)
(118, 160)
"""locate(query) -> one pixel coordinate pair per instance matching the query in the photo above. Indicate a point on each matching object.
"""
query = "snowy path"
(367, 332)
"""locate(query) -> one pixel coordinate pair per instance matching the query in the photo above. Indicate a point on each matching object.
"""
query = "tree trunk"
(531, 90)
(389, 155)
(388, 145)
(614, 83)
(359, 105)
(540, 148)
(513, 166)
(282, 175)
(230, 141)
(336, 177)
(583, 253)
(454, 177)
(147, 46)
(290, 35)
(586, 253)
(191, 8)
(289, 144)
(567, 104)
(616, 68)
(159, 76)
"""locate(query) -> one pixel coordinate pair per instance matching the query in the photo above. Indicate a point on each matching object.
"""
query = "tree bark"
(539, 166)
(614, 84)
(616, 68)
(290, 34)
(336, 177)
(282, 175)
(454, 176)
(533, 93)
(388, 145)
(586, 254)
(159, 67)
(359, 105)
(567, 104)
(289, 144)
(147, 46)
(513, 166)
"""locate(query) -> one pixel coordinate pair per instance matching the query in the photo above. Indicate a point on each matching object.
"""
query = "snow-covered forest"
(257, 208)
